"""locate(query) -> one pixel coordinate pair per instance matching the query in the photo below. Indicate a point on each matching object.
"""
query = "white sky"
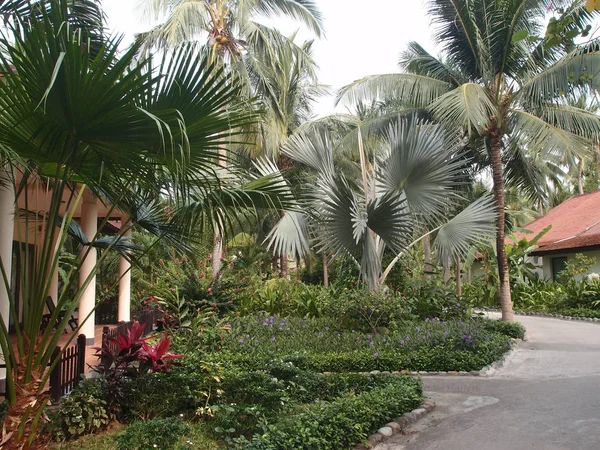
(362, 38)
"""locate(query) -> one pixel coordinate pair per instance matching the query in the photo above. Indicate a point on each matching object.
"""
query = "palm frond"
(420, 164)
(311, 148)
(416, 60)
(186, 20)
(545, 138)
(472, 225)
(559, 79)
(411, 90)
(304, 11)
(290, 236)
(468, 106)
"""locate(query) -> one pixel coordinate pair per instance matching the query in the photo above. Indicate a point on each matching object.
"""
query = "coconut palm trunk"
(427, 256)
(498, 192)
(580, 176)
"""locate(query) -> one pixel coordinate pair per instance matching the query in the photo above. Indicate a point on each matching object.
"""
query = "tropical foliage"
(136, 133)
(360, 218)
(506, 90)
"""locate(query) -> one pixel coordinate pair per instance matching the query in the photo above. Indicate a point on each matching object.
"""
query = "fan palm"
(413, 180)
(140, 135)
(506, 89)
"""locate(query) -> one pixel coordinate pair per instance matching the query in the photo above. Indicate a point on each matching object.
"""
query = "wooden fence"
(70, 369)
(67, 373)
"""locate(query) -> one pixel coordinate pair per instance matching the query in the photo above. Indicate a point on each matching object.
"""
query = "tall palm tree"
(229, 26)
(232, 32)
(506, 89)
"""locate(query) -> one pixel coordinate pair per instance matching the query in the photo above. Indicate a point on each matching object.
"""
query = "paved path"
(546, 397)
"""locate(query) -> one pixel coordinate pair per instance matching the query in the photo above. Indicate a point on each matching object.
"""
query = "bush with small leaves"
(152, 434)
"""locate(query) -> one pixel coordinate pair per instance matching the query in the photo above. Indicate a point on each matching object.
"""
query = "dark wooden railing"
(149, 318)
(70, 369)
(67, 373)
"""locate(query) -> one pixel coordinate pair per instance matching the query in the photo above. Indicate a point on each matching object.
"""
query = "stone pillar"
(7, 217)
(87, 302)
(124, 313)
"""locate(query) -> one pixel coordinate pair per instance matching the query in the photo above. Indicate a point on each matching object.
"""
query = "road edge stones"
(396, 426)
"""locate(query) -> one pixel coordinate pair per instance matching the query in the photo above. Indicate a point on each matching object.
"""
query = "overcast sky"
(362, 38)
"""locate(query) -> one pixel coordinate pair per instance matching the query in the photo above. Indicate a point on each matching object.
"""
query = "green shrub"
(146, 396)
(342, 423)
(433, 300)
(364, 310)
(152, 434)
(514, 330)
(82, 412)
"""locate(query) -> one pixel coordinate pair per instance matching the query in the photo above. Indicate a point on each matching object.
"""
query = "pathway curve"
(547, 397)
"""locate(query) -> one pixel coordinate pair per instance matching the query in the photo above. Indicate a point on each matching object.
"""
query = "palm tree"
(142, 135)
(413, 180)
(230, 26)
(504, 87)
(232, 33)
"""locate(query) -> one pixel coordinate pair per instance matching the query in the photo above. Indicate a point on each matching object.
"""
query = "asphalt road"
(547, 396)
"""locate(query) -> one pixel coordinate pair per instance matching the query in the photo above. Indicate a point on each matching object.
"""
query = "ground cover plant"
(322, 345)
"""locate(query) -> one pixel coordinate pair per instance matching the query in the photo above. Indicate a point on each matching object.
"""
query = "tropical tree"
(503, 86)
(143, 136)
(236, 40)
(229, 26)
(412, 181)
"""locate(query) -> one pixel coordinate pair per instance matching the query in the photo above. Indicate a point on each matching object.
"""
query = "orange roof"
(575, 225)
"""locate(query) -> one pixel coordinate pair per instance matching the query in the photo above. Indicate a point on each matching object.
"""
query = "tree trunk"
(447, 272)
(580, 176)
(325, 271)
(427, 256)
(498, 189)
(284, 266)
(217, 255)
(218, 242)
(458, 278)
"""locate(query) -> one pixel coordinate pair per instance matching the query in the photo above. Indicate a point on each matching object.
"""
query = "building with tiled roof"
(575, 229)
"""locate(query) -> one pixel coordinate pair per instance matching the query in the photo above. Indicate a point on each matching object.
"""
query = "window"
(558, 265)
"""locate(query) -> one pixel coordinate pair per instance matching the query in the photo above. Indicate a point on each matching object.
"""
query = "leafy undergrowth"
(321, 346)
(198, 437)
(259, 384)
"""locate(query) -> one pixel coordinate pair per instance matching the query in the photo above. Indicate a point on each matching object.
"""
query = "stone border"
(396, 426)
(546, 314)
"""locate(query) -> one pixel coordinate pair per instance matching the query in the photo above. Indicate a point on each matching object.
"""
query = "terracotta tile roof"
(575, 225)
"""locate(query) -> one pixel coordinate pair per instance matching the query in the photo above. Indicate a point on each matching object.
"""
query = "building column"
(124, 313)
(87, 302)
(7, 217)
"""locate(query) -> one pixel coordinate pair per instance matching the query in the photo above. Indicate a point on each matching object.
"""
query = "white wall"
(547, 262)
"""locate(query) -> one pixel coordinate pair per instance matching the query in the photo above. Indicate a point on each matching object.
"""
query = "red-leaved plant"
(156, 357)
(131, 355)
(128, 356)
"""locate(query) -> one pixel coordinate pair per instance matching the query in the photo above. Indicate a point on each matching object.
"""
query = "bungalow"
(575, 229)
(89, 214)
